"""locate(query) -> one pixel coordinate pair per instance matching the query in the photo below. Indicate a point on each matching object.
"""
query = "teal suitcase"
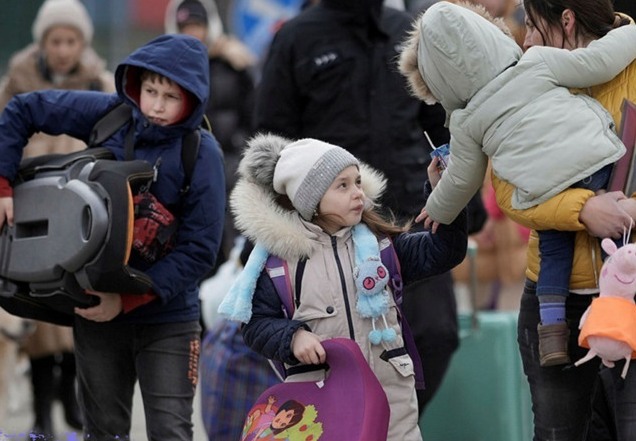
(484, 395)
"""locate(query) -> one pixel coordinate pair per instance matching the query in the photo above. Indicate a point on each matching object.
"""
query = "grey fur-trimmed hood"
(442, 47)
(256, 208)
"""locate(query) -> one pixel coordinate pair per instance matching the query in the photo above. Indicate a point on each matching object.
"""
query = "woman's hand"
(307, 348)
(603, 216)
(109, 307)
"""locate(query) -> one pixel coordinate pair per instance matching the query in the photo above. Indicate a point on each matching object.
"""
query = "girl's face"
(343, 203)
(161, 101)
(282, 419)
(63, 46)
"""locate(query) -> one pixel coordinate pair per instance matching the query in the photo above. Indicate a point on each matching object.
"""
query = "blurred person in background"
(232, 376)
(230, 106)
(510, 10)
(60, 57)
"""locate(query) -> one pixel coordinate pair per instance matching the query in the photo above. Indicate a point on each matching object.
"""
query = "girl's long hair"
(379, 224)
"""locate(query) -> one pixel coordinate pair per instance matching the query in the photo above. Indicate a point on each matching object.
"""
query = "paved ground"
(20, 417)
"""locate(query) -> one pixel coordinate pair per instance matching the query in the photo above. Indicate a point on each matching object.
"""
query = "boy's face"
(161, 102)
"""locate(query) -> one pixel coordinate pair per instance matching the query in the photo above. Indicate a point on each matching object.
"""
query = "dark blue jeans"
(614, 406)
(561, 398)
(557, 247)
(111, 357)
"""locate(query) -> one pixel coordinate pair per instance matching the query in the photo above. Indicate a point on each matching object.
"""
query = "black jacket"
(331, 74)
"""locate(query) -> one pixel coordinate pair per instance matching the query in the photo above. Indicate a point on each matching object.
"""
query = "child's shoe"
(553, 344)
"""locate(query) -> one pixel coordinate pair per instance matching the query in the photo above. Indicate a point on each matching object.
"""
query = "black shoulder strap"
(300, 270)
(189, 153)
(120, 115)
(109, 124)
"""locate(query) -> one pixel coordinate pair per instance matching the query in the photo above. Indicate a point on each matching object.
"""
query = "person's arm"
(574, 209)
(597, 63)
(269, 332)
(425, 254)
(54, 112)
(460, 181)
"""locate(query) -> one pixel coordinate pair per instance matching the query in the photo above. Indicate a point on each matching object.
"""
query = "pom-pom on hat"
(62, 13)
(305, 170)
(191, 11)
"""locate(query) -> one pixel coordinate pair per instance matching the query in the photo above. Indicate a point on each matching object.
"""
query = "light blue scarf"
(372, 303)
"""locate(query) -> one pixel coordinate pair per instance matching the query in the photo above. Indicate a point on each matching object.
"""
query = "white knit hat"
(62, 13)
(305, 170)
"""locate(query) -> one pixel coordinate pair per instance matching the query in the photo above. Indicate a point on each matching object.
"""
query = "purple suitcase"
(349, 404)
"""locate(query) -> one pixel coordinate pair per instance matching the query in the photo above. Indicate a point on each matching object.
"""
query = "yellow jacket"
(562, 211)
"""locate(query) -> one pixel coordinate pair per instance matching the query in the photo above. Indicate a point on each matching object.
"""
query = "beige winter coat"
(25, 75)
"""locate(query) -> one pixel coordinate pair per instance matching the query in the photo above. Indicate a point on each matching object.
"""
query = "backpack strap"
(278, 271)
(392, 263)
(189, 152)
(390, 260)
(119, 115)
(109, 124)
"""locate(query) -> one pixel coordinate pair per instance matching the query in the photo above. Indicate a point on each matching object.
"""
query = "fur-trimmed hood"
(257, 209)
(451, 53)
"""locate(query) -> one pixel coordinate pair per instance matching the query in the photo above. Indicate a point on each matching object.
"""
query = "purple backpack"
(349, 404)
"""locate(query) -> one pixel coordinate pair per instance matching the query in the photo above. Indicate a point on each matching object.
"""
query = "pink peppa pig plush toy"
(608, 326)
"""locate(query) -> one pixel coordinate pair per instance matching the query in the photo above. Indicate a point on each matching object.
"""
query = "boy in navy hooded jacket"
(154, 337)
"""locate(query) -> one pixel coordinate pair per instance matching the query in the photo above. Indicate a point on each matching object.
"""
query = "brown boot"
(553, 344)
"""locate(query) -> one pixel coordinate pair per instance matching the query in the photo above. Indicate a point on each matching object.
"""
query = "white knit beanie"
(305, 170)
(62, 13)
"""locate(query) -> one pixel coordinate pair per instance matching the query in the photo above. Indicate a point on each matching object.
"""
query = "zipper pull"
(155, 169)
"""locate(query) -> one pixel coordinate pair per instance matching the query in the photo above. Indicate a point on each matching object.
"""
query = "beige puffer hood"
(449, 55)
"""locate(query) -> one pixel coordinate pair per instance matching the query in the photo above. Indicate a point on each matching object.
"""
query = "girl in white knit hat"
(312, 202)
(60, 57)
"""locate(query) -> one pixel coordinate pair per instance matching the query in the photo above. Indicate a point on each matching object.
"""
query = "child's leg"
(556, 250)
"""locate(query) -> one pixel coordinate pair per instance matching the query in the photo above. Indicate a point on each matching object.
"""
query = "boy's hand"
(433, 171)
(109, 307)
(307, 348)
(6, 211)
(429, 223)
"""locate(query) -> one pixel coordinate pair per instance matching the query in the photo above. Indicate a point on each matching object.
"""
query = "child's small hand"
(109, 307)
(307, 348)
(433, 171)
(429, 223)
(629, 205)
(6, 211)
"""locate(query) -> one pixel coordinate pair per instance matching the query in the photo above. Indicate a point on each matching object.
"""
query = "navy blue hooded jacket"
(200, 212)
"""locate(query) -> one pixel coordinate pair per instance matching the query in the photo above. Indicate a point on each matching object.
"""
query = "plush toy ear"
(609, 246)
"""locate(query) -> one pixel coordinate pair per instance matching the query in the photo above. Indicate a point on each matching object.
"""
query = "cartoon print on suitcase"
(265, 422)
(348, 404)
